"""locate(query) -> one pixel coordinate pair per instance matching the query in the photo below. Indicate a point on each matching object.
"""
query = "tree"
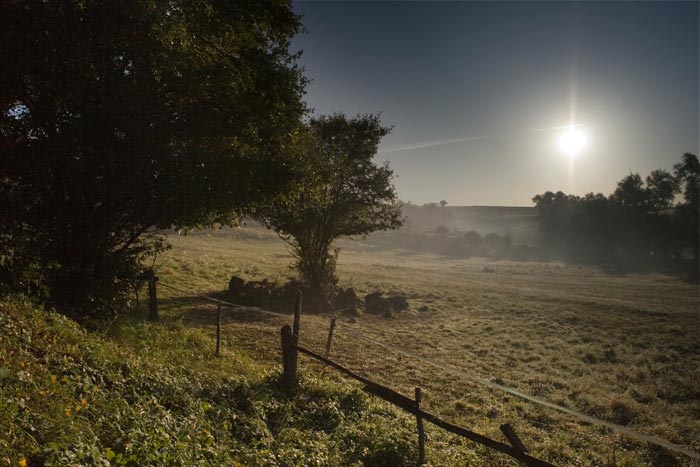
(342, 193)
(630, 194)
(471, 242)
(443, 203)
(119, 118)
(661, 190)
(687, 173)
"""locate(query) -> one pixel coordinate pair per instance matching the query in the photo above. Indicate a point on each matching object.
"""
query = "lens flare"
(572, 141)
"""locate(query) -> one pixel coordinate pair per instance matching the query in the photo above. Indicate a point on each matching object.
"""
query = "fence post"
(512, 437)
(152, 298)
(421, 430)
(218, 329)
(330, 337)
(297, 318)
(289, 357)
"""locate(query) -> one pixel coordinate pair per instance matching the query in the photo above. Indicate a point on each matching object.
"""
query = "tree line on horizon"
(640, 224)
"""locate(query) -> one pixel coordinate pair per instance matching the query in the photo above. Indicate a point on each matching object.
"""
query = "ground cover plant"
(153, 394)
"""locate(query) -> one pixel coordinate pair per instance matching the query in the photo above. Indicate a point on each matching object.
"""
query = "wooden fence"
(290, 352)
(291, 349)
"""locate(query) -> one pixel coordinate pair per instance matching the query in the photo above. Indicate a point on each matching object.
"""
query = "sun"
(572, 141)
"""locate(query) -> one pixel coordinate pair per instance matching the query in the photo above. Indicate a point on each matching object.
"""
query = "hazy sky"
(488, 74)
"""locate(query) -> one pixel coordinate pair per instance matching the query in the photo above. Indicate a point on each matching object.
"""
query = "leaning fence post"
(152, 298)
(297, 318)
(289, 357)
(513, 438)
(330, 337)
(421, 430)
(218, 329)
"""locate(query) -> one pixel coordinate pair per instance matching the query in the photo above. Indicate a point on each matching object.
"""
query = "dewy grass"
(619, 347)
(152, 394)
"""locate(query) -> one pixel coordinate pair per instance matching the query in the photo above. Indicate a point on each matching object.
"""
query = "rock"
(351, 311)
(375, 303)
(287, 291)
(398, 303)
(348, 299)
(424, 309)
(257, 293)
(236, 285)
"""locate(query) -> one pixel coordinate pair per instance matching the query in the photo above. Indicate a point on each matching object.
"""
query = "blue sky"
(475, 91)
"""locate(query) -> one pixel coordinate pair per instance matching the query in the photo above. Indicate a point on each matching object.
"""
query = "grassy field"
(623, 348)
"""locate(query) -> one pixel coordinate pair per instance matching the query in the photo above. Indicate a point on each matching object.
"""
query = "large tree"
(117, 118)
(343, 193)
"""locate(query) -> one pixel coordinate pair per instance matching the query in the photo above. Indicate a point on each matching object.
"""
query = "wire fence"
(349, 330)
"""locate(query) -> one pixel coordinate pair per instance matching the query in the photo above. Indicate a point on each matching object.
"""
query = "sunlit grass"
(622, 348)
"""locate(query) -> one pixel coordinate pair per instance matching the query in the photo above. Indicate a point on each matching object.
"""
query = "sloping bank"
(148, 394)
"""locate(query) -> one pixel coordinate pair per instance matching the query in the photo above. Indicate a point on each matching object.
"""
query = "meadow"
(622, 348)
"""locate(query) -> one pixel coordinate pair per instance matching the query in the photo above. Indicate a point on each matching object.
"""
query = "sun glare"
(572, 141)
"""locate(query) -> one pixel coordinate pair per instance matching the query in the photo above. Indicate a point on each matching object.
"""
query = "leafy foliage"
(117, 119)
(342, 193)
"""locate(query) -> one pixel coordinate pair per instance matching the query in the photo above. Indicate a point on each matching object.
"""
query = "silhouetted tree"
(496, 244)
(662, 187)
(688, 175)
(472, 241)
(342, 193)
(118, 118)
(630, 194)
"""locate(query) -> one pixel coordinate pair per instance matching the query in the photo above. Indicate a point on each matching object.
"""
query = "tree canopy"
(117, 118)
(343, 193)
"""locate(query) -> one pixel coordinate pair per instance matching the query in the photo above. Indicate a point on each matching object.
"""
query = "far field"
(624, 348)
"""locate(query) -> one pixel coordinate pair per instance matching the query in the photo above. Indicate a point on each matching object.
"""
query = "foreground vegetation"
(153, 394)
